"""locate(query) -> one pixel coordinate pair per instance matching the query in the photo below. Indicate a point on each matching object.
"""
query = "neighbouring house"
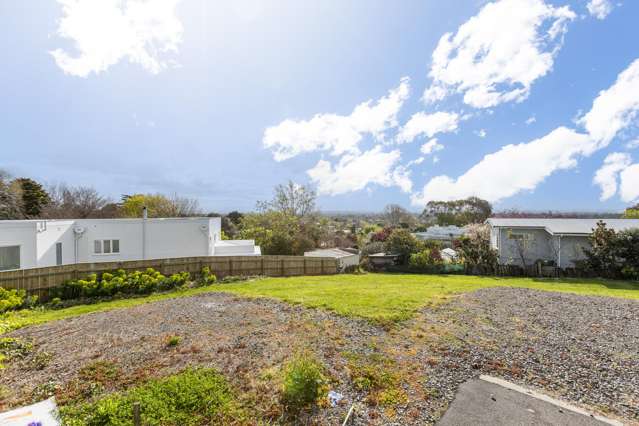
(379, 261)
(560, 241)
(449, 255)
(345, 259)
(38, 243)
(444, 234)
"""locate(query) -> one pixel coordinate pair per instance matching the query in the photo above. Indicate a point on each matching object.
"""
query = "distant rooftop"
(564, 226)
(332, 252)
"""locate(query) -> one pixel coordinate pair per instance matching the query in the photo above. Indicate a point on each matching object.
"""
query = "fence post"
(305, 267)
(322, 263)
(262, 265)
(137, 421)
(282, 267)
(230, 266)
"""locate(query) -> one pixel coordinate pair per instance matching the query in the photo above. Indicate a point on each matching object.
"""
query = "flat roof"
(332, 252)
(564, 226)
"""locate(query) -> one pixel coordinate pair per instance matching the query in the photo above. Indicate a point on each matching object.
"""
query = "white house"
(38, 243)
(558, 240)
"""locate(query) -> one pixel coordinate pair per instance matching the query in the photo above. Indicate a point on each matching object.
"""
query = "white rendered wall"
(23, 235)
(53, 232)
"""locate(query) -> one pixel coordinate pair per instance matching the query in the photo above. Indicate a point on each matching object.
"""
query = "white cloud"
(614, 108)
(338, 134)
(629, 189)
(496, 56)
(356, 172)
(106, 32)
(516, 168)
(431, 146)
(428, 125)
(531, 120)
(481, 133)
(599, 8)
(510, 170)
(632, 144)
(606, 176)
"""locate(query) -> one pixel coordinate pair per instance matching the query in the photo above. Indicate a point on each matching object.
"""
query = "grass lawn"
(378, 297)
(396, 297)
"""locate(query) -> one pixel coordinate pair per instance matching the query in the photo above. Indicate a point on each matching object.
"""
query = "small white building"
(344, 258)
(39, 243)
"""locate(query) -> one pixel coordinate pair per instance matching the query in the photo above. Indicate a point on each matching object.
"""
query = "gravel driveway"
(581, 349)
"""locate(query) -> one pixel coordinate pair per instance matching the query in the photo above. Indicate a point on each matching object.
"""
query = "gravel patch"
(584, 350)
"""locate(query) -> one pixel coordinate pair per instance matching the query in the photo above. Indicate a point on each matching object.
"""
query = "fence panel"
(39, 280)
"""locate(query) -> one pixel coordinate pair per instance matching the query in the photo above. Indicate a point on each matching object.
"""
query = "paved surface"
(482, 403)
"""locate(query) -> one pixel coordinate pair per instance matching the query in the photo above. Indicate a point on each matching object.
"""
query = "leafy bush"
(193, 397)
(401, 242)
(303, 381)
(172, 341)
(425, 258)
(119, 282)
(613, 254)
(11, 347)
(11, 299)
(207, 277)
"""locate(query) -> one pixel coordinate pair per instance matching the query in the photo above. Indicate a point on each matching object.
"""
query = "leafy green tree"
(458, 212)
(292, 199)
(601, 257)
(274, 232)
(632, 212)
(474, 247)
(158, 205)
(401, 242)
(34, 197)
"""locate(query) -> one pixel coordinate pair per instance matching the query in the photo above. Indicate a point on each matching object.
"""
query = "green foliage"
(376, 375)
(206, 277)
(474, 247)
(458, 212)
(34, 197)
(303, 381)
(192, 397)
(172, 341)
(613, 254)
(120, 282)
(632, 212)
(41, 360)
(278, 233)
(401, 242)
(11, 348)
(426, 257)
(10, 199)
(11, 299)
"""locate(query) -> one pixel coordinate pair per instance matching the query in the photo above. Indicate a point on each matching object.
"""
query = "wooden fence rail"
(39, 280)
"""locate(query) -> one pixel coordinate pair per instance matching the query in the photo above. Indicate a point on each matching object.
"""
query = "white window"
(106, 246)
(9, 258)
(58, 254)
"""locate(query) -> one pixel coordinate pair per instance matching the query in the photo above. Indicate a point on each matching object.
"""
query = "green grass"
(396, 297)
(192, 397)
(378, 297)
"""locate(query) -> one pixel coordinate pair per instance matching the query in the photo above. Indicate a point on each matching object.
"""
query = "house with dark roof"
(561, 241)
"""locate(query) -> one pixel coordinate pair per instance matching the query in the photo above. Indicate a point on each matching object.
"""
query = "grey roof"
(332, 252)
(440, 233)
(564, 226)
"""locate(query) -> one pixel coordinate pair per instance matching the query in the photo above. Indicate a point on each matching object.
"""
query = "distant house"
(346, 259)
(444, 234)
(555, 240)
(38, 243)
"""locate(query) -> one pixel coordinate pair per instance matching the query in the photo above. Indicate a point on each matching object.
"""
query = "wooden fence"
(39, 280)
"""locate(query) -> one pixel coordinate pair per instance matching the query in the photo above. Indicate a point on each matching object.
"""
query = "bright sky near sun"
(526, 103)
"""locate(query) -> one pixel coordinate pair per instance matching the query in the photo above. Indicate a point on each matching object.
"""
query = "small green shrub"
(425, 258)
(207, 277)
(11, 299)
(303, 381)
(172, 341)
(11, 348)
(193, 397)
(100, 372)
(41, 360)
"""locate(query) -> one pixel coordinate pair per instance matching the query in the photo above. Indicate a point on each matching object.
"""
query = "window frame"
(103, 244)
(19, 246)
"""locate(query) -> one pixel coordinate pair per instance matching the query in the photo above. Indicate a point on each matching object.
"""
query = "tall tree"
(34, 197)
(292, 199)
(395, 215)
(158, 205)
(77, 202)
(10, 202)
(458, 212)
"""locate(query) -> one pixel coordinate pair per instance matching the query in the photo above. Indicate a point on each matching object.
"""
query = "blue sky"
(222, 102)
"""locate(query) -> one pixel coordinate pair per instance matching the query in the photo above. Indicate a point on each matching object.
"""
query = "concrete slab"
(483, 402)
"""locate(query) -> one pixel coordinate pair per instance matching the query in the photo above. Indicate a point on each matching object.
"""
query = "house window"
(9, 258)
(58, 254)
(521, 236)
(106, 246)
